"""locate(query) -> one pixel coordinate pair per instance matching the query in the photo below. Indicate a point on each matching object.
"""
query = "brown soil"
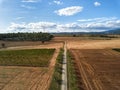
(27, 78)
(13, 46)
(25, 43)
(99, 69)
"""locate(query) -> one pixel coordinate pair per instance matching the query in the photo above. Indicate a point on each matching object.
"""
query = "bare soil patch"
(98, 69)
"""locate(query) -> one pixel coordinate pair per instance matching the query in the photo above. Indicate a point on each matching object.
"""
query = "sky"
(59, 15)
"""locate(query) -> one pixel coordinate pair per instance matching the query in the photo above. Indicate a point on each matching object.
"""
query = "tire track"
(82, 71)
(88, 74)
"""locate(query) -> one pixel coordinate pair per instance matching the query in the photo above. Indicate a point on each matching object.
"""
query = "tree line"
(26, 37)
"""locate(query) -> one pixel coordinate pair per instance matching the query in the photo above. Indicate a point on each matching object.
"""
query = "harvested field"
(21, 43)
(86, 43)
(97, 69)
(94, 44)
(27, 78)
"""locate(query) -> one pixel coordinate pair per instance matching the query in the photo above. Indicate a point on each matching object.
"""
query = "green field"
(31, 57)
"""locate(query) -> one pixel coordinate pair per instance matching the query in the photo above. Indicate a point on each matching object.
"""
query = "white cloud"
(102, 19)
(32, 27)
(57, 2)
(69, 11)
(30, 1)
(68, 27)
(103, 23)
(27, 7)
(97, 4)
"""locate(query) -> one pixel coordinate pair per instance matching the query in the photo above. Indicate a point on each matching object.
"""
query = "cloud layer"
(90, 25)
(69, 11)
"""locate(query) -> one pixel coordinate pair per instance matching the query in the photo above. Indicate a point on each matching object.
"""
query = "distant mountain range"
(116, 31)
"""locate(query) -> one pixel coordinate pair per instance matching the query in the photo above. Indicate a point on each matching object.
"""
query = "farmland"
(31, 57)
(15, 45)
(33, 74)
(88, 43)
(93, 64)
(98, 69)
(27, 65)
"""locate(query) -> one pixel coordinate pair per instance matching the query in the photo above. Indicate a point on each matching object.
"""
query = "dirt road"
(64, 69)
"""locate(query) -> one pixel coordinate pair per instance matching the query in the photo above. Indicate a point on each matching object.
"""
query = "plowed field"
(97, 69)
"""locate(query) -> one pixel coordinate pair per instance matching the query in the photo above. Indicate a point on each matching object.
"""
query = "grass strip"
(72, 78)
(57, 76)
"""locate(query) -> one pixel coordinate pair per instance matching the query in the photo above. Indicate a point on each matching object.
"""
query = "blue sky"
(59, 15)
